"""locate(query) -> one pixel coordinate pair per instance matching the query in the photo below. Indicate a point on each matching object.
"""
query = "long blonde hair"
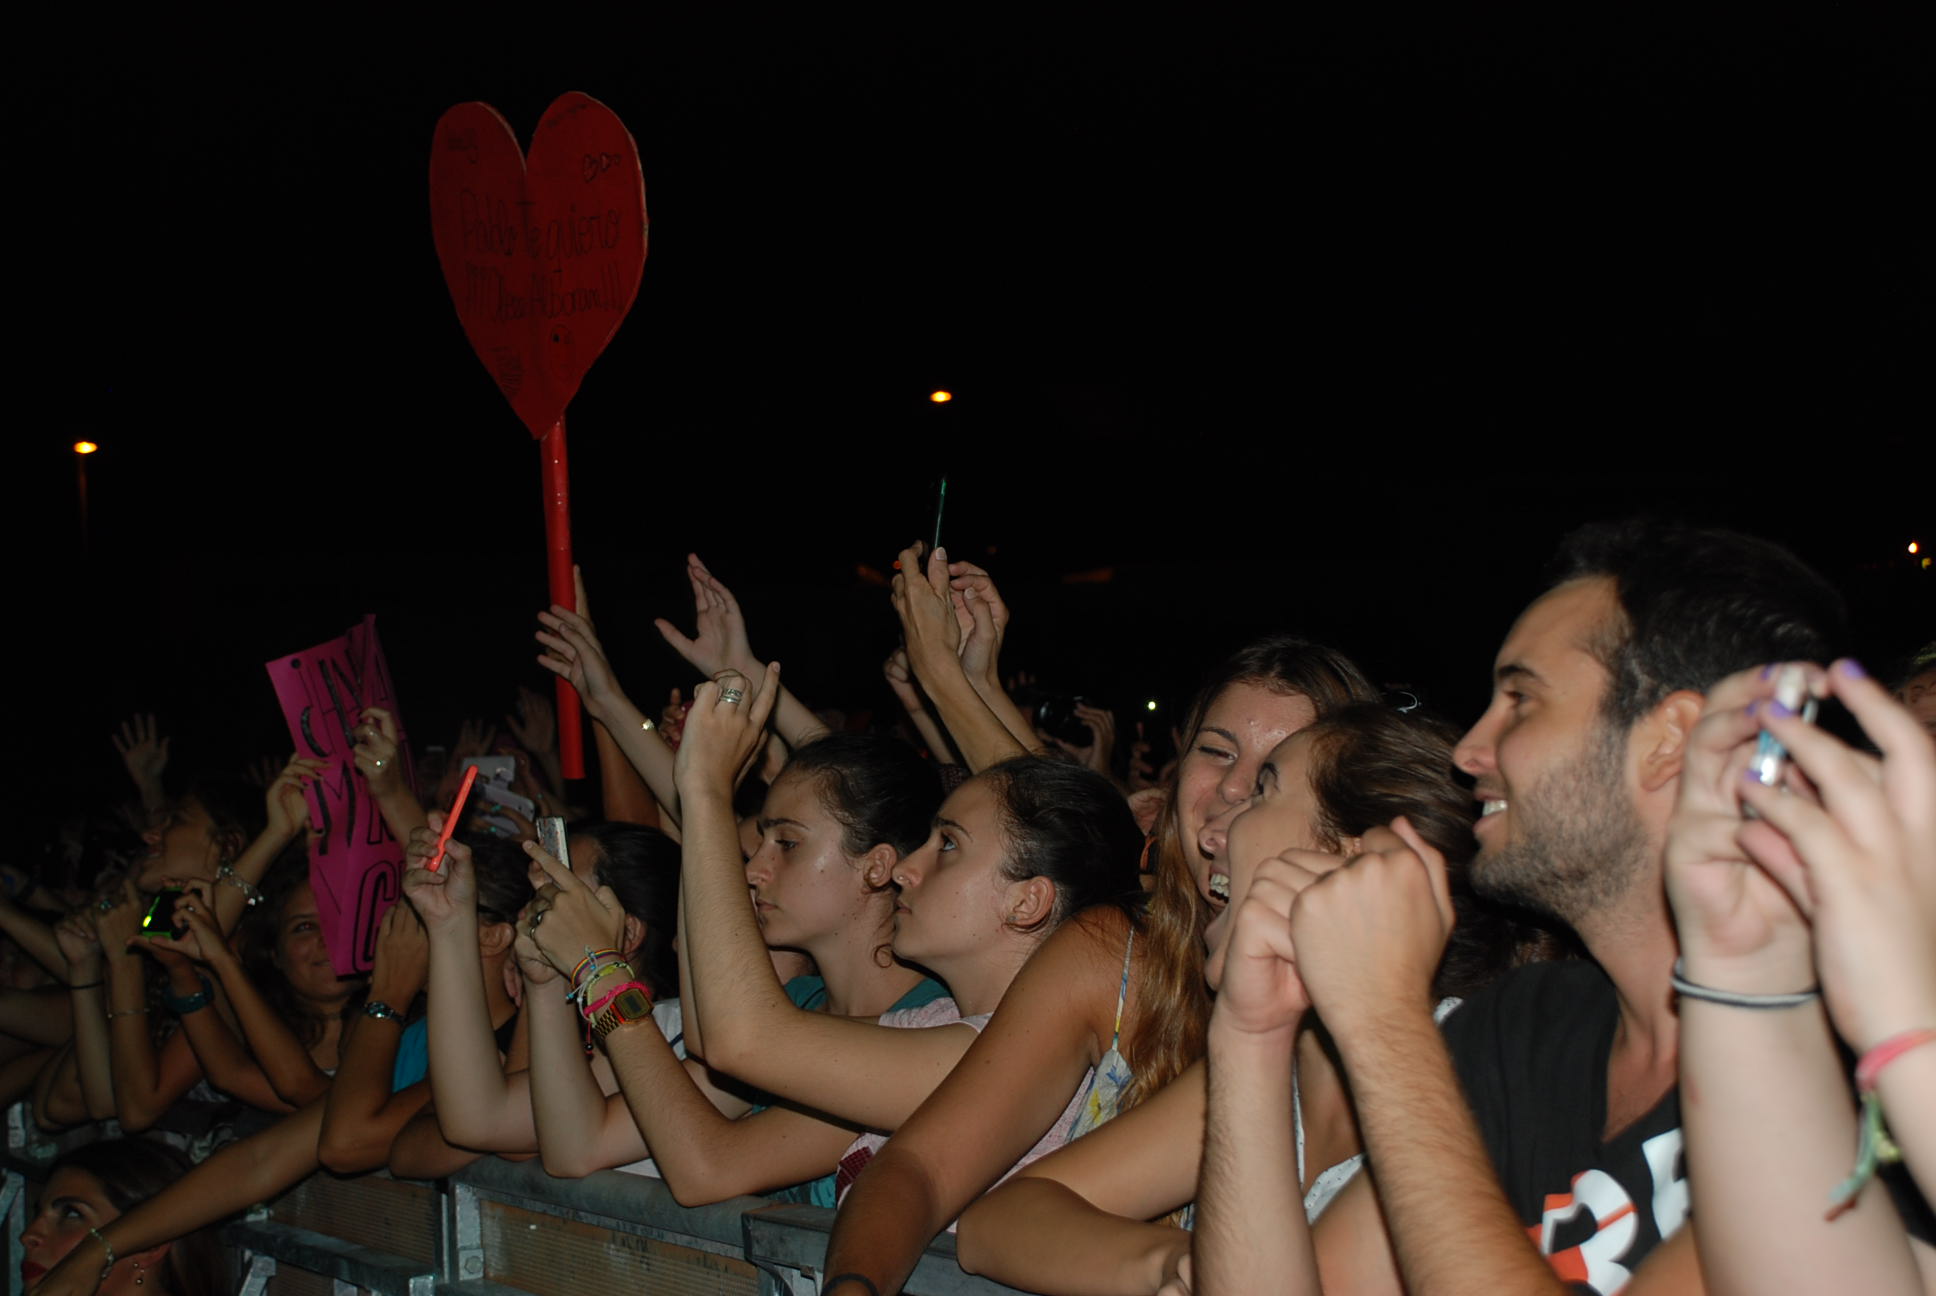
(1166, 1031)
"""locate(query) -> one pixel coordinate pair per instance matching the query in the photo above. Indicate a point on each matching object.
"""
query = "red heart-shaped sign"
(542, 254)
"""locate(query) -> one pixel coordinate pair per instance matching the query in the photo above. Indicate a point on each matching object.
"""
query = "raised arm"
(1251, 1230)
(900, 678)
(145, 753)
(286, 815)
(1368, 938)
(752, 1031)
(719, 643)
(934, 634)
(572, 649)
(983, 617)
(1743, 892)
(379, 758)
(80, 945)
(476, 1104)
(362, 1114)
(252, 1170)
(1053, 1024)
(147, 1081)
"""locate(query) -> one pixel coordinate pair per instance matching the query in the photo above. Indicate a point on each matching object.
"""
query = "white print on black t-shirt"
(1596, 1261)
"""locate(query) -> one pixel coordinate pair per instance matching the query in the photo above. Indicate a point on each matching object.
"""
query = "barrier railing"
(501, 1228)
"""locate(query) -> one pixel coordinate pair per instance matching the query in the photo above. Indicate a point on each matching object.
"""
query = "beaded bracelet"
(1875, 1148)
(227, 876)
(106, 1246)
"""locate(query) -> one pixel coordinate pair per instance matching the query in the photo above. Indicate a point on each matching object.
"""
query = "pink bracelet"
(1870, 1067)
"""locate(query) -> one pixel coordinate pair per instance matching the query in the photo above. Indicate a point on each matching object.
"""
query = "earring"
(139, 1277)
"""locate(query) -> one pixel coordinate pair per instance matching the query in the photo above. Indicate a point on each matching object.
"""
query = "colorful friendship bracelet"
(1875, 1148)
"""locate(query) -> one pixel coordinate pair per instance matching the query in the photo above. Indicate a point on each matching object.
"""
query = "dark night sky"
(1335, 329)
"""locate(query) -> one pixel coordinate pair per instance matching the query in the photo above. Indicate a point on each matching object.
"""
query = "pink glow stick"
(450, 820)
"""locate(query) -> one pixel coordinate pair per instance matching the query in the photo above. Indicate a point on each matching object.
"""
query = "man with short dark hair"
(1535, 1145)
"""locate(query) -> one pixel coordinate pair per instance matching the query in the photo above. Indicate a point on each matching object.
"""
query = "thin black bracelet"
(862, 1279)
(91, 985)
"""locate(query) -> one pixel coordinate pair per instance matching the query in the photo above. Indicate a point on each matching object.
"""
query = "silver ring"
(731, 695)
(105, 905)
(531, 923)
(379, 762)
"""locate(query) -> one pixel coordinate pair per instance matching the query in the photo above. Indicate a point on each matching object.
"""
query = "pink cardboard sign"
(355, 862)
(542, 254)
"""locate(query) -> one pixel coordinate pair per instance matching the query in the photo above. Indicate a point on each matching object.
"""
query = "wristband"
(190, 1003)
(382, 1011)
(88, 985)
(591, 1010)
(1735, 999)
(227, 876)
(1875, 1148)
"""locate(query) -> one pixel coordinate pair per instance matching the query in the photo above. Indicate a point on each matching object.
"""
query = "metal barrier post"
(464, 1230)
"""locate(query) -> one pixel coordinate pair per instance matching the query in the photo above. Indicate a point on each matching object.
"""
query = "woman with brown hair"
(1121, 997)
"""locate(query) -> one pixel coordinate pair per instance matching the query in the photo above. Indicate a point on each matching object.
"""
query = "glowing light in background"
(941, 397)
(88, 447)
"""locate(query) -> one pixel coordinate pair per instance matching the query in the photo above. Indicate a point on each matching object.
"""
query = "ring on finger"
(730, 696)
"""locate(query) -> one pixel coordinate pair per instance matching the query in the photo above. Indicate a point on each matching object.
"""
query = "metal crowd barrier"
(504, 1228)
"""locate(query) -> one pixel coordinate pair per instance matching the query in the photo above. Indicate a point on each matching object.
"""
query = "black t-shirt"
(1532, 1053)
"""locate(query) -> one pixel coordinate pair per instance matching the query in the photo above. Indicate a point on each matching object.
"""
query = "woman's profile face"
(1241, 726)
(1282, 815)
(72, 1203)
(805, 885)
(953, 891)
(180, 845)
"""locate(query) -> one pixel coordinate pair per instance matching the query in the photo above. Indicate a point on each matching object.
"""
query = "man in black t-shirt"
(1535, 1146)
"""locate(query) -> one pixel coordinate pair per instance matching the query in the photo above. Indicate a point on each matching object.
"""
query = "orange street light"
(941, 397)
(85, 447)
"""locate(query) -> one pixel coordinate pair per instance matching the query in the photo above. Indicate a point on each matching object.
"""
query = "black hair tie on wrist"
(862, 1279)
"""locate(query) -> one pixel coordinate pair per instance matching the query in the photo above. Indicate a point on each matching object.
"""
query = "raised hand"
(724, 729)
(572, 650)
(379, 752)
(672, 720)
(983, 617)
(402, 965)
(1739, 928)
(1259, 990)
(535, 722)
(533, 967)
(719, 629)
(449, 893)
(143, 750)
(1369, 935)
(200, 942)
(474, 738)
(925, 604)
(1102, 738)
(80, 945)
(261, 772)
(1862, 862)
(119, 923)
(900, 678)
(286, 806)
(568, 918)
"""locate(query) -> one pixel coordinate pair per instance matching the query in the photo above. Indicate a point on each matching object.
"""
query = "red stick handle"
(557, 506)
(436, 859)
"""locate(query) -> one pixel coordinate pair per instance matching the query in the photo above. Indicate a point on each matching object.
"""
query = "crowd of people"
(1629, 985)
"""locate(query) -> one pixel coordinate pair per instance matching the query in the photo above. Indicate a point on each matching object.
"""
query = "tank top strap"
(1122, 992)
